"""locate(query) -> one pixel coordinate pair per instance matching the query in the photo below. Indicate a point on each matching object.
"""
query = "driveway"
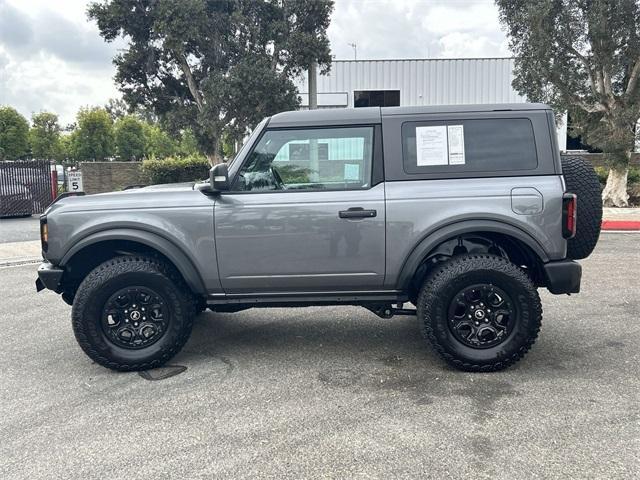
(328, 393)
(19, 229)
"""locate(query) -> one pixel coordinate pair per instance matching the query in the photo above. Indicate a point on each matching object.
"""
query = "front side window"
(313, 159)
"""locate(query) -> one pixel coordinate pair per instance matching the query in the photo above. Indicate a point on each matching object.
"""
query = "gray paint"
(274, 243)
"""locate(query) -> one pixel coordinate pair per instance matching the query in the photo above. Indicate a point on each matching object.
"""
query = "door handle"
(357, 212)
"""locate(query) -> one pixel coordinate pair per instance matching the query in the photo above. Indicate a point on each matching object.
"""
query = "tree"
(14, 134)
(44, 136)
(582, 56)
(93, 138)
(158, 143)
(186, 60)
(116, 108)
(129, 138)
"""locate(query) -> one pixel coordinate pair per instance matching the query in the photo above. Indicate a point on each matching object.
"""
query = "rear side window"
(465, 146)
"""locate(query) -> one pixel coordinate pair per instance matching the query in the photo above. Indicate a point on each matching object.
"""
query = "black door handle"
(357, 212)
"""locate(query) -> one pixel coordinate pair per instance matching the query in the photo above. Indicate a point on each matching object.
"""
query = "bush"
(633, 177)
(174, 170)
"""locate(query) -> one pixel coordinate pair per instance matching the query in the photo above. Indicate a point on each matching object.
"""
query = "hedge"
(633, 177)
(174, 170)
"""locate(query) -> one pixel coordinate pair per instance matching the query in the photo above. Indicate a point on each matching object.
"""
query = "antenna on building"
(355, 50)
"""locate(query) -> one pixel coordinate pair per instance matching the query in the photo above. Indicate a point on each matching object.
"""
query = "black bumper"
(49, 276)
(563, 276)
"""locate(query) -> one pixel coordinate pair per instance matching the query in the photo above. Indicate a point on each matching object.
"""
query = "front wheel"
(132, 313)
(480, 312)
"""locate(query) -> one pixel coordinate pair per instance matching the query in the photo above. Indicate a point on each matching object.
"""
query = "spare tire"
(580, 178)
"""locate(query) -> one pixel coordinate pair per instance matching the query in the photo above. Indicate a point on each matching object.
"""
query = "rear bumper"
(563, 276)
(49, 276)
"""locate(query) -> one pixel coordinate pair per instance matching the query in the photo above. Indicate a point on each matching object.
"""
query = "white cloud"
(52, 57)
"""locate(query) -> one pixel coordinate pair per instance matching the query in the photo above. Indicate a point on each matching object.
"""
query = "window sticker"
(455, 134)
(351, 171)
(431, 146)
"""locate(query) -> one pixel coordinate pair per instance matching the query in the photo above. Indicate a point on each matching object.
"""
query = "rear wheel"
(132, 313)
(480, 312)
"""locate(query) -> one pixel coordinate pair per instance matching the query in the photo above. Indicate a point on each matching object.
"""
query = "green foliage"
(158, 143)
(66, 147)
(44, 136)
(188, 145)
(214, 65)
(129, 138)
(632, 177)
(173, 170)
(583, 57)
(93, 138)
(14, 134)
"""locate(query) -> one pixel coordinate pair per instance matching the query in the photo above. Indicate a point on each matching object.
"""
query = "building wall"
(100, 177)
(421, 82)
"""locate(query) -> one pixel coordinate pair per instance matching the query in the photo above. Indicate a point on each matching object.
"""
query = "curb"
(627, 225)
(16, 262)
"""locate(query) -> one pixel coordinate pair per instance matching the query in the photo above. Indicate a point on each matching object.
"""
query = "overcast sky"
(52, 58)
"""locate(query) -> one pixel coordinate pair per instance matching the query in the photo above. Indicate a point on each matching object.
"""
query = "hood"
(154, 196)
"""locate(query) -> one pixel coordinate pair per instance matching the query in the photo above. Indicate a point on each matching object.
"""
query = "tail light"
(569, 214)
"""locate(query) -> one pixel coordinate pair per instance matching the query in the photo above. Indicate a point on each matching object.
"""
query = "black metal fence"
(25, 187)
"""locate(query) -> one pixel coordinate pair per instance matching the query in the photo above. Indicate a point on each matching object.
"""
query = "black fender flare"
(166, 247)
(433, 239)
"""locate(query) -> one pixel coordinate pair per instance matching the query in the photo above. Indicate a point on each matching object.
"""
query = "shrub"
(633, 177)
(174, 170)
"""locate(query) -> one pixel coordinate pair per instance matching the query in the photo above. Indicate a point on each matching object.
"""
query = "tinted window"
(505, 144)
(314, 159)
(376, 98)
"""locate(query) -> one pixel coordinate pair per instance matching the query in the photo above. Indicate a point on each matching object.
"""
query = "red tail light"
(569, 214)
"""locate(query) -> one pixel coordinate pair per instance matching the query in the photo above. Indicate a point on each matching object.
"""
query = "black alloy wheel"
(135, 317)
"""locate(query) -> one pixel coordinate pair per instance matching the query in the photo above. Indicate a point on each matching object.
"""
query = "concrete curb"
(16, 262)
(627, 225)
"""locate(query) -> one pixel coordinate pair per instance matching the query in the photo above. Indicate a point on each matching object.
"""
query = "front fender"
(180, 260)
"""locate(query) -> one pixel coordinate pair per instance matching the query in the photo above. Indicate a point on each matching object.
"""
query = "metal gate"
(25, 187)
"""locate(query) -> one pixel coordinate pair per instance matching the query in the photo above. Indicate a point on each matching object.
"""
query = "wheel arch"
(452, 231)
(114, 240)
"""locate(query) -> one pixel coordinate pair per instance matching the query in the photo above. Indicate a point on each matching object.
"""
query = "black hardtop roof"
(359, 116)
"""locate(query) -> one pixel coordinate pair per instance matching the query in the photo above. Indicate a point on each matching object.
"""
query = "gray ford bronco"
(462, 211)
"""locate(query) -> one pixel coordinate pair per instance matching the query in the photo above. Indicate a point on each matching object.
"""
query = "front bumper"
(49, 276)
(563, 276)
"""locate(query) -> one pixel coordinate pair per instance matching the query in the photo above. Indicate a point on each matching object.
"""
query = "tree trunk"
(615, 192)
(214, 158)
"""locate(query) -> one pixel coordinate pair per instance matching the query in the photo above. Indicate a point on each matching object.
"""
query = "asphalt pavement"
(328, 393)
(19, 229)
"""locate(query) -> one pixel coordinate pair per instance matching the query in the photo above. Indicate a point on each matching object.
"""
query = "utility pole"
(313, 86)
(355, 50)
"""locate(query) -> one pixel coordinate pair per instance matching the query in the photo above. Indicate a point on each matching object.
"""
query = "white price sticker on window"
(455, 135)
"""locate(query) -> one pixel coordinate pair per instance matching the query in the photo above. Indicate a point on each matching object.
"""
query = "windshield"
(249, 141)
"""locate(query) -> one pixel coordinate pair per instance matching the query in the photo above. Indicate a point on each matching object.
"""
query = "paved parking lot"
(19, 229)
(329, 392)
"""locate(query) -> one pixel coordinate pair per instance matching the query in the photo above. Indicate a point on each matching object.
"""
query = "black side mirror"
(219, 177)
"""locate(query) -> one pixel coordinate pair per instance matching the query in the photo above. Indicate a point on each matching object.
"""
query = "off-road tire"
(108, 278)
(581, 179)
(439, 289)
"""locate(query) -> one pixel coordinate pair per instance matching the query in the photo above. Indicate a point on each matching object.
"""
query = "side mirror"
(219, 177)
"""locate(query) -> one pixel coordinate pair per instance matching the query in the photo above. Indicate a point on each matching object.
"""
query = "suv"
(463, 211)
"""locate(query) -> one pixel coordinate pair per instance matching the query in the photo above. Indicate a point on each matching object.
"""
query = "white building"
(415, 82)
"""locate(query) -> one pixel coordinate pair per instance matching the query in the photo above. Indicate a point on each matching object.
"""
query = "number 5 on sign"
(74, 181)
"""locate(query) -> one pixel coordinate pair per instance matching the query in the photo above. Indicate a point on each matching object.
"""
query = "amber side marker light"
(44, 233)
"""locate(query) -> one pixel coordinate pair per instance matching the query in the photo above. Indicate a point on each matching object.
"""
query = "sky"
(52, 58)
